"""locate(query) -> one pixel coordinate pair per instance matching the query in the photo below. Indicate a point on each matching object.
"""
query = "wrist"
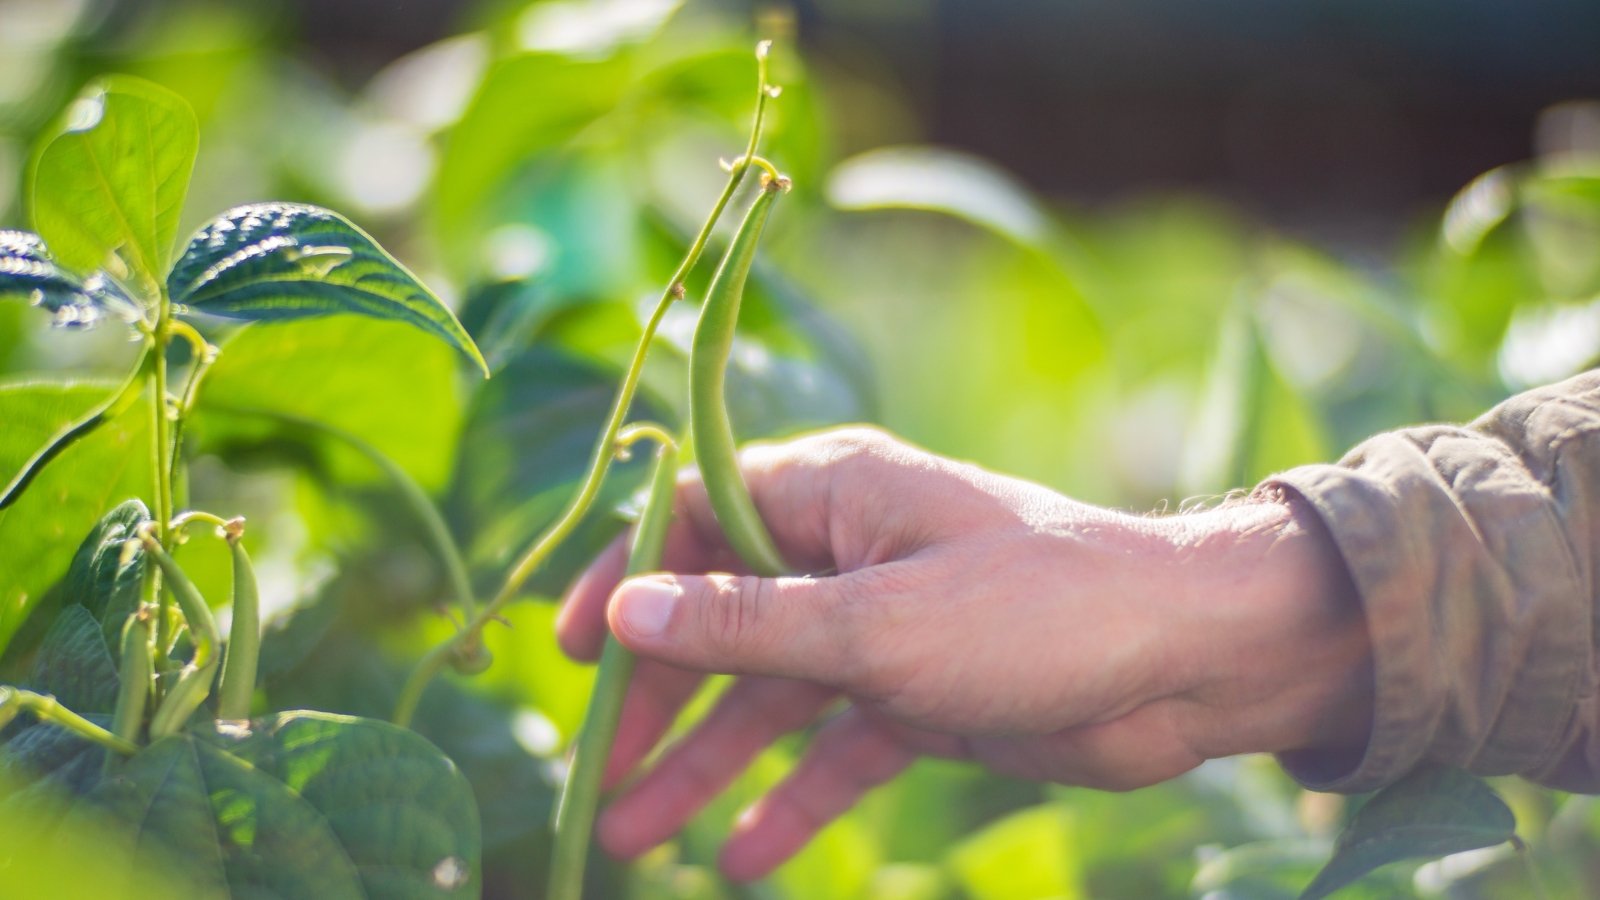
(1278, 655)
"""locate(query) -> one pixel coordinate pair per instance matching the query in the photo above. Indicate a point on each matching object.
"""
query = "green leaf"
(107, 573)
(29, 273)
(272, 261)
(72, 432)
(527, 442)
(299, 804)
(75, 664)
(240, 831)
(403, 397)
(1430, 813)
(108, 185)
(41, 530)
(940, 180)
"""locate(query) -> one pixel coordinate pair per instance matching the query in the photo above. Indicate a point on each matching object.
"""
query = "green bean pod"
(194, 680)
(183, 698)
(580, 795)
(714, 446)
(202, 624)
(244, 639)
(134, 692)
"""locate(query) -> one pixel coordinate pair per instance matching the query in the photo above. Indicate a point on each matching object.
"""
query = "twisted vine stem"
(469, 636)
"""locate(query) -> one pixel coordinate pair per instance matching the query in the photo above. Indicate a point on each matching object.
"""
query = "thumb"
(788, 627)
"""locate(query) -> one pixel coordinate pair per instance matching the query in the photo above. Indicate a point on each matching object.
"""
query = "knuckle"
(737, 614)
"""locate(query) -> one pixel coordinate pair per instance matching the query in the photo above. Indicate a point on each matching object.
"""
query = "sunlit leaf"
(592, 28)
(41, 530)
(941, 180)
(108, 185)
(290, 261)
(1430, 813)
(527, 105)
(401, 397)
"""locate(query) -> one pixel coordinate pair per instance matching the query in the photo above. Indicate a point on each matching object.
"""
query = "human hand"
(973, 616)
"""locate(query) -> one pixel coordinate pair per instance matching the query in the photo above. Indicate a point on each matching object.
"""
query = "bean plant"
(177, 739)
(137, 704)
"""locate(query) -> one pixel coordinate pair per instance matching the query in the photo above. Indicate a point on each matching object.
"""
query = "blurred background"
(1145, 252)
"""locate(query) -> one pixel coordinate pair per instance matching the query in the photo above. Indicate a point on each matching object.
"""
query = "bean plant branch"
(605, 448)
(580, 795)
(47, 709)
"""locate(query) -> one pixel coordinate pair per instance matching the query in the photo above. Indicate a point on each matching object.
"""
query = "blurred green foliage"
(542, 172)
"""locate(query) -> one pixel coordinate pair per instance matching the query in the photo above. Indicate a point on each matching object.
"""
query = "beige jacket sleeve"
(1474, 551)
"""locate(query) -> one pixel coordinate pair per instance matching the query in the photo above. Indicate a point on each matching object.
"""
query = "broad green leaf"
(384, 382)
(29, 273)
(527, 441)
(108, 185)
(241, 832)
(41, 530)
(400, 808)
(273, 261)
(40, 759)
(527, 105)
(940, 180)
(299, 804)
(72, 432)
(107, 573)
(1432, 812)
(41, 860)
(75, 664)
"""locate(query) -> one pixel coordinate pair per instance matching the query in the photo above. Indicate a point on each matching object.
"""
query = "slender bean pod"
(133, 695)
(714, 445)
(580, 796)
(244, 636)
(191, 689)
(202, 624)
(193, 681)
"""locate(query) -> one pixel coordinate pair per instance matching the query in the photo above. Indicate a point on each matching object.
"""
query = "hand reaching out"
(972, 616)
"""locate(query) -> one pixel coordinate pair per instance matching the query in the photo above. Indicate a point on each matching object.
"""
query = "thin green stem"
(161, 460)
(436, 658)
(580, 795)
(47, 709)
(203, 355)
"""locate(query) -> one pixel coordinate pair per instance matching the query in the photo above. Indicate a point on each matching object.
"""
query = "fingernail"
(647, 606)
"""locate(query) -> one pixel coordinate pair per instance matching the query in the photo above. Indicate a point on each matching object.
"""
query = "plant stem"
(161, 459)
(605, 448)
(580, 795)
(203, 355)
(47, 709)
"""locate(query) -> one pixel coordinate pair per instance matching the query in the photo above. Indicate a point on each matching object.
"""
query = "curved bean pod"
(714, 446)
